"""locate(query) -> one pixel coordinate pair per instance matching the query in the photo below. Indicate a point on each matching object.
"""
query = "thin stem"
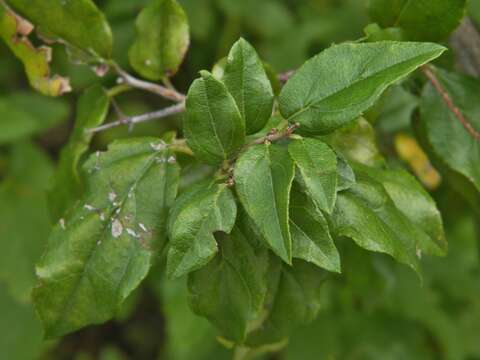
(132, 120)
(132, 81)
(427, 70)
(275, 135)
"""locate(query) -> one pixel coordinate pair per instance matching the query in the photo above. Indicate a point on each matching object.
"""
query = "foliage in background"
(366, 143)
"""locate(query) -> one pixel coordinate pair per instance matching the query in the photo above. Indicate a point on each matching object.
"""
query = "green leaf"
(311, 238)
(396, 109)
(346, 176)
(92, 110)
(100, 252)
(79, 22)
(263, 177)
(449, 140)
(23, 114)
(357, 142)
(162, 40)
(24, 225)
(295, 301)
(21, 331)
(338, 85)
(415, 203)
(197, 214)
(247, 81)
(418, 18)
(230, 290)
(36, 61)
(213, 125)
(317, 165)
(366, 214)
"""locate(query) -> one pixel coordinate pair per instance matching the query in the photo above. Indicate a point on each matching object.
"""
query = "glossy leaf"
(247, 81)
(23, 114)
(366, 214)
(230, 290)
(162, 39)
(25, 224)
(213, 126)
(449, 140)
(36, 61)
(100, 252)
(79, 22)
(197, 214)
(263, 177)
(317, 165)
(295, 301)
(92, 110)
(310, 234)
(338, 85)
(418, 19)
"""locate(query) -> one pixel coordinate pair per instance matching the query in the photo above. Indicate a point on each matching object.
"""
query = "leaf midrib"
(314, 103)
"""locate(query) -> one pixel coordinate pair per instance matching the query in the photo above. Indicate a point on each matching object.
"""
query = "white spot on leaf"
(89, 207)
(158, 146)
(62, 223)
(112, 196)
(131, 232)
(117, 228)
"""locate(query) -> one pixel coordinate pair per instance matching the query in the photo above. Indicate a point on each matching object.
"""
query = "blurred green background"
(375, 310)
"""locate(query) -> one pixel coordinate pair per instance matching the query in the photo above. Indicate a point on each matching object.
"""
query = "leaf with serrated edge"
(213, 125)
(415, 203)
(230, 290)
(317, 165)
(162, 40)
(247, 81)
(311, 240)
(197, 214)
(338, 85)
(366, 214)
(100, 252)
(263, 177)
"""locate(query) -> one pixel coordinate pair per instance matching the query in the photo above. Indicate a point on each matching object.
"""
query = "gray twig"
(132, 120)
(163, 91)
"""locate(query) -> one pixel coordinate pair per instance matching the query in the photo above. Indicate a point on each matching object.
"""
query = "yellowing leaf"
(410, 151)
(14, 31)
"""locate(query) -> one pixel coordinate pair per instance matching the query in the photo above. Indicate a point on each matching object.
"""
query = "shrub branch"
(427, 70)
